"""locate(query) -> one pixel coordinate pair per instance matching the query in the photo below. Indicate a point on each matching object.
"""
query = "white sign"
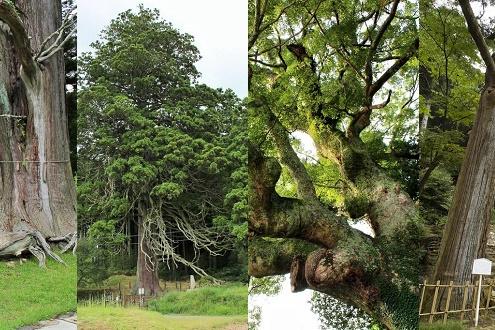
(141, 291)
(482, 267)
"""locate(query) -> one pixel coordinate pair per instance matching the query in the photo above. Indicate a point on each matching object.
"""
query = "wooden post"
(478, 302)
(433, 305)
(447, 303)
(488, 297)
(475, 294)
(464, 298)
(422, 296)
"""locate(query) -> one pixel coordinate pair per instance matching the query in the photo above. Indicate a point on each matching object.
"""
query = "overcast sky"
(219, 28)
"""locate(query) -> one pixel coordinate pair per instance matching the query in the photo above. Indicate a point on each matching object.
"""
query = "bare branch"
(62, 35)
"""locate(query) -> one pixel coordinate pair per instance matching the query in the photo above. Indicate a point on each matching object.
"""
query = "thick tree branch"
(376, 42)
(274, 216)
(289, 158)
(269, 256)
(477, 36)
(375, 87)
(337, 272)
(361, 120)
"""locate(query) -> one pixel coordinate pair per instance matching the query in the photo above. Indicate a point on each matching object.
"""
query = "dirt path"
(63, 322)
(237, 326)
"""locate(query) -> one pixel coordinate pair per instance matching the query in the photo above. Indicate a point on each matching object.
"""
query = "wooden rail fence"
(468, 301)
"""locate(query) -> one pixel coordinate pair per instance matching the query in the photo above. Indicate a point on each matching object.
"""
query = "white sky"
(219, 28)
(286, 310)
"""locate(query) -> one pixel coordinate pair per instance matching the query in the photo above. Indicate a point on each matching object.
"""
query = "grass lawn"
(451, 325)
(30, 294)
(230, 299)
(117, 318)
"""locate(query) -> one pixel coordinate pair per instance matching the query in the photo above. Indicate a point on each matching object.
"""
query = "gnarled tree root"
(66, 242)
(15, 243)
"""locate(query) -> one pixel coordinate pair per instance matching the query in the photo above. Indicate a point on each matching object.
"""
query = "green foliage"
(404, 249)
(308, 66)
(149, 133)
(269, 285)
(33, 294)
(451, 82)
(400, 303)
(334, 314)
(97, 252)
(218, 300)
(436, 197)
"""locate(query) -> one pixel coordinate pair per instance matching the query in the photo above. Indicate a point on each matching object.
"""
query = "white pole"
(478, 302)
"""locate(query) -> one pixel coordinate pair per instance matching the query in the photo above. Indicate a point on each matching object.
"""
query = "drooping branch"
(10, 15)
(161, 229)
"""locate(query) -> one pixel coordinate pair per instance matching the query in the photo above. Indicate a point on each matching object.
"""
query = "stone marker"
(192, 282)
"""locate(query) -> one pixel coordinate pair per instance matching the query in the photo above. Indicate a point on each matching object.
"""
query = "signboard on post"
(481, 267)
(141, 291)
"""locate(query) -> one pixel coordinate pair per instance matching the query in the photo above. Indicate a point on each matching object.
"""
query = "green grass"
(118, 318)
(451, 325)
(30, 294)
(214, 300)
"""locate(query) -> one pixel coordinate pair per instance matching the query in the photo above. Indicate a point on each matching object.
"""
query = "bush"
(219, 300)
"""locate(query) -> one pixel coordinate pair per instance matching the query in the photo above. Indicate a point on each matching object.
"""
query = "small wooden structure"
(468, 300)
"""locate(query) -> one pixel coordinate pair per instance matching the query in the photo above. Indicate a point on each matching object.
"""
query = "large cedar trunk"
(36, 183)
(465, 234)
(147, 263)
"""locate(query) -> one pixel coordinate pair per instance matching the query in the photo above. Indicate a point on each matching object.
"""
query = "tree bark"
(147, 264)
(36, 184)
(465, 234)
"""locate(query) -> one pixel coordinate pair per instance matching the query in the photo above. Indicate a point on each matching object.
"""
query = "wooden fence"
(112, 298)
(468, 300)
